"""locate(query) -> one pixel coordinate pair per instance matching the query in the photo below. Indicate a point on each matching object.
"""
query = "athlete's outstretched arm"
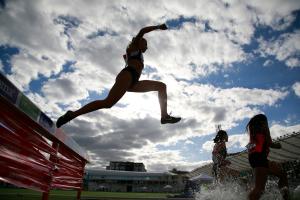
(148, 29)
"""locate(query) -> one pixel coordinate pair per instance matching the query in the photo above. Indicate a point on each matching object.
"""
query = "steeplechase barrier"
(33, 153)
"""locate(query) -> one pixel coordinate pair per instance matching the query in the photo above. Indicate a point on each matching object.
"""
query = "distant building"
(133, 181)
(126, 166)
(133, 177)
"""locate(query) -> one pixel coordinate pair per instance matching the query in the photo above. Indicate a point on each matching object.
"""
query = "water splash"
(228, 191)
(236, 190)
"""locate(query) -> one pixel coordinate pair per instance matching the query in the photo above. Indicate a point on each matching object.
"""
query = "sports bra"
(135, 55)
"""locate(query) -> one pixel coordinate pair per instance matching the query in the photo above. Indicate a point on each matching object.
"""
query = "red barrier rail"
(34, 158)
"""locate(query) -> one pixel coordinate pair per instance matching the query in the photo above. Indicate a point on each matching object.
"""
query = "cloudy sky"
(222, 61)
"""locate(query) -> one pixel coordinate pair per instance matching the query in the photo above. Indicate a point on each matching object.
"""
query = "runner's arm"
(148, 29)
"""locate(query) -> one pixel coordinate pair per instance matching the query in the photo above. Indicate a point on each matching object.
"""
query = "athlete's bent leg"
(148, 86)
(161, 88)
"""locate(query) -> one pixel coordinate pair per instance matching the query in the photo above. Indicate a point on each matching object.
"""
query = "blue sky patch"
(177, 23)
(6, 53)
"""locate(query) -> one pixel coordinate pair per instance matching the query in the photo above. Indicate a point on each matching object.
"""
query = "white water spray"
(235, 190)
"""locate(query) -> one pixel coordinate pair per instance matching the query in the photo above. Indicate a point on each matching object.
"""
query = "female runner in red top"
(258, 151)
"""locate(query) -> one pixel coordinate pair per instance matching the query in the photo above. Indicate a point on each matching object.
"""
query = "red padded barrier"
(33, 158)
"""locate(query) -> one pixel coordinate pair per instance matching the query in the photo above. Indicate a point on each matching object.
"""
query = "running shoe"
(169, 120)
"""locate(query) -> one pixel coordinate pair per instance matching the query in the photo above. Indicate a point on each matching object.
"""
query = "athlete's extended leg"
(261, 175)
(277, 170)
(121, 85)
(161, 88)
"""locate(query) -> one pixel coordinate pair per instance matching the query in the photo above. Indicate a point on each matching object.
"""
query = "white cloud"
(293, 62)
(286, 48)
(278, 130)
(72, 87)
(238, 140)
(189, 142)
(268, 63)
(226, 106)
(173, 52)
(42, 45)
(208, 146)
(269, 13)
(296, 88)
(164, 160)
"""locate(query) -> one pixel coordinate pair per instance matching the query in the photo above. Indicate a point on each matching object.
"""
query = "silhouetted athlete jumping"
(128, 80)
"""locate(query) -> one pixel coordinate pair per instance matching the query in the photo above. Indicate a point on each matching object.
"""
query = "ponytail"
(220, 136)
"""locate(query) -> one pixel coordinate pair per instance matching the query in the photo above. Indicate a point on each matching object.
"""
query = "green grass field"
(25, 194)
